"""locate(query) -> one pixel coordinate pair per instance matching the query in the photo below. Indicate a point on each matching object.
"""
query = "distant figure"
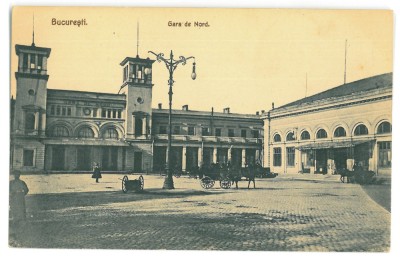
(18, 190)
(96, 172)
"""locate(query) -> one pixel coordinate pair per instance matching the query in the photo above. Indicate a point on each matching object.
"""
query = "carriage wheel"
(124, 181)
(225, 183)
(141, 179)
(207, 182)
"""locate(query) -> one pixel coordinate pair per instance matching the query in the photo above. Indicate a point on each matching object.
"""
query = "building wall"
(371, 114)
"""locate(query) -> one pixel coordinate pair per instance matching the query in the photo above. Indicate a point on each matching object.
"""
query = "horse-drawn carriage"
(357, 175)
(228, 175)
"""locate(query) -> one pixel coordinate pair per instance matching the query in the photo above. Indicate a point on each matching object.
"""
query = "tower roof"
(32, 49)
(137, 60)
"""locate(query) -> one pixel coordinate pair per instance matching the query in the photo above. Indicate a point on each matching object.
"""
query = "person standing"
(18, 190)
(96, 172)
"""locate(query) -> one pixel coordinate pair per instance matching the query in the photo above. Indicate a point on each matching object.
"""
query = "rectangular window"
(103, 113)
(108, 113)
(217, 131)
(119, 113)
(40, 62)
(191, 130)
(163, 129)
(33, 61)
(243, 133)
(177, 130)
(52, 110)
(385, 154)
(290, 156)
(58, 110)
(114, 113)
(231, 133)
(28, 158)
(25, 61)
(64, 111)
(204, 131)
(256, 134)
(277, 157)
(94, 112)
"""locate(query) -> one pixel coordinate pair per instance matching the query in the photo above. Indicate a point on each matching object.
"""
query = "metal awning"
(88, 142)
(331, 145)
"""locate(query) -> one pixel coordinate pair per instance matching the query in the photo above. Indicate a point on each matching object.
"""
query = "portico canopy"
(331, 144)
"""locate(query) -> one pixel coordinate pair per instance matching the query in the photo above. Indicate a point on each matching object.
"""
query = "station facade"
(333, 130)
(67, 130)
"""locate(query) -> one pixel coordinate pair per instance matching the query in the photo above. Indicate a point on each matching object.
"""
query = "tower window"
(25, 61)
(33, 62)
(30, 121)
(40, 62)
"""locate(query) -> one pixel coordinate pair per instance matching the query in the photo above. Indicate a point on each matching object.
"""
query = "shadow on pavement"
(54, 201)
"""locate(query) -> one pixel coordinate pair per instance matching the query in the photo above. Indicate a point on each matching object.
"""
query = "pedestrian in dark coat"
(96, 172)
(18, 190)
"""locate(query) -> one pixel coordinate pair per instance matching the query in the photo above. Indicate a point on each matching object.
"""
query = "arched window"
(321, 134)
(339, 132)
(86, 132)
(60, 131)
(30, 121)
(290, 137)
(361, 130)
(277, 138)
(305, 135)
(384, 127)
(110, 133)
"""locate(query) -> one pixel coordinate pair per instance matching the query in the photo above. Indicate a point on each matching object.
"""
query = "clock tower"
(137, 86)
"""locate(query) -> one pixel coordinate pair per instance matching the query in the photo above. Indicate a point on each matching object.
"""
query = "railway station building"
(66, 130)
(333, 130)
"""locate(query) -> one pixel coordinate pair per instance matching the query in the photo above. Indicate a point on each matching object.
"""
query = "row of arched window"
(361, 129)
(84, 132)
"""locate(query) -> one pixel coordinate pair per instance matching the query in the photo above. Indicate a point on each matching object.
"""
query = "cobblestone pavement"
(281, 214)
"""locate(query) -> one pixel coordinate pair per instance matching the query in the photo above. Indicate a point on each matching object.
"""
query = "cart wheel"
(226, 184)
(207, 182)
(124, 181)
(141, 179)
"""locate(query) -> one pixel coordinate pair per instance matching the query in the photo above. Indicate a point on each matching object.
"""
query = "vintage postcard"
(201, 129)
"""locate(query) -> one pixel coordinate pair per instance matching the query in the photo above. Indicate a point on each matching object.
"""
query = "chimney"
(159, 105)
(257, 113)
(273, 105)
(185, 107)
(227, 110)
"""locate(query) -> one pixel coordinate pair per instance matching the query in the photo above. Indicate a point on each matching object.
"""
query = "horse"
(250, 174)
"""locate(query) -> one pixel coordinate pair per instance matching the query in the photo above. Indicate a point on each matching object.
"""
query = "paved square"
(306, 213)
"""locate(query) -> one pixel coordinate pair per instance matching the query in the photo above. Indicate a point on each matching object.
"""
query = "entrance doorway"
(321, 161)
(137, 165)
(340, 157)
(58, 158)
(110, 158)
(84, 158)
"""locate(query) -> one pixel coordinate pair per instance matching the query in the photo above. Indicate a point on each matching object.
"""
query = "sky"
(246, 59)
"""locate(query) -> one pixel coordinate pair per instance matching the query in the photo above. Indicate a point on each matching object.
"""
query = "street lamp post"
(171, 65)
